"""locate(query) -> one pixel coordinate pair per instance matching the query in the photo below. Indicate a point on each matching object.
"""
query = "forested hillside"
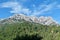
(24, 30)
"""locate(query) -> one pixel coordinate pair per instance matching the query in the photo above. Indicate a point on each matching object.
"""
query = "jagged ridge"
(42, 20)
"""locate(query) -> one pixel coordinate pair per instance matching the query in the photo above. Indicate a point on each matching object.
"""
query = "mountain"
(24, 30)
(42, 20)
(21, 27)
(47, 20)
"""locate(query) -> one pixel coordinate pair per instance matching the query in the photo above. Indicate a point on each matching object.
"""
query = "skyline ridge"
(30, 8)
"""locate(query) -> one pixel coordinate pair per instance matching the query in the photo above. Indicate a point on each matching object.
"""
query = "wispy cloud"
(44, 8)
(24, 0)
(16, 7)
(58, 6)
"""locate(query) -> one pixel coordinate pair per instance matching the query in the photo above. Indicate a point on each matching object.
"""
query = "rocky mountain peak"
(47, 20)
(42, 19)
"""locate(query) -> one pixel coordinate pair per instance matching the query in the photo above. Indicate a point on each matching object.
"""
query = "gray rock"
(42, 19)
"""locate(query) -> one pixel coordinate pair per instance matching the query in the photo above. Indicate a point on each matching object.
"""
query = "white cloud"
(9, 4)
(26, 11)
(44, 8)
(16, 7)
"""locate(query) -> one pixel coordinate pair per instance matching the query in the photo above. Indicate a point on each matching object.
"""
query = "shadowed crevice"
(26, 37)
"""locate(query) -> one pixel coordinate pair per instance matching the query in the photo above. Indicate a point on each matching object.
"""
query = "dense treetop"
(12, 31)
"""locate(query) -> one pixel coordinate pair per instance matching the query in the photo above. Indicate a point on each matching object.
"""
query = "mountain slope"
(24, 28)
(42, 20)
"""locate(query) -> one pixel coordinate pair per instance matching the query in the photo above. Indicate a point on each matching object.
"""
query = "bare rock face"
(19, 17)
(47, 20)
(42, 20)
(34, 19)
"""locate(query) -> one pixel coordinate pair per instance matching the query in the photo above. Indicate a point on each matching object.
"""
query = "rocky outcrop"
(42, 20)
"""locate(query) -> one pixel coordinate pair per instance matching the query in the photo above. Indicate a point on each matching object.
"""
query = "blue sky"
(30, 8)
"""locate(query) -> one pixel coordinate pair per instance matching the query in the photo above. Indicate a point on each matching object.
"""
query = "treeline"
(28, 31)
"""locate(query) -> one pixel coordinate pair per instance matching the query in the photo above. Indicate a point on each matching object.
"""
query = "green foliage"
(10, 31)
